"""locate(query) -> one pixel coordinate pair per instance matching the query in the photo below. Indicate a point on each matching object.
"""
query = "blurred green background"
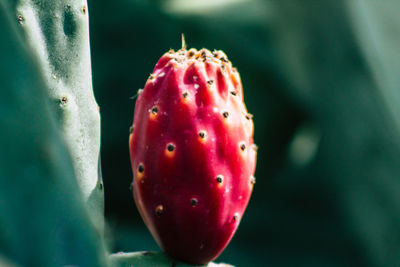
(322, 80)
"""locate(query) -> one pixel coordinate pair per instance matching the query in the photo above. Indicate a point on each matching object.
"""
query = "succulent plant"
(192, 154)
(57, 33)
(152, 259)
(51, 115)
(42, 216)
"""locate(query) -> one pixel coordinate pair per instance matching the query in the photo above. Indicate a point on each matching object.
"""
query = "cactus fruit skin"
(192, 154)
(58, 33)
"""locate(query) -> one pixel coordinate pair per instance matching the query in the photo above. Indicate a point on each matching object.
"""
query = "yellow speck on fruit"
(159, 210)
(140, 171)
(153, 112)
(170, 150)
(202, 136)
(220, 180)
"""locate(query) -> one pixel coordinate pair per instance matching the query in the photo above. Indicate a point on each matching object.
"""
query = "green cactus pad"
(58, 33)
(43, 221)
(152, 259)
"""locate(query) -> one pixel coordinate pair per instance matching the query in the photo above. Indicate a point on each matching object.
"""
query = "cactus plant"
(49, 44)
(192, 154)
(42, 216)
(152, 259)
(57, 31)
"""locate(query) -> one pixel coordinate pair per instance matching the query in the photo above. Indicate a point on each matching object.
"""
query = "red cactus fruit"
(192, 154)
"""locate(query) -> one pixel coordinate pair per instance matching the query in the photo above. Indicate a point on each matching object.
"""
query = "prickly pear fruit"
(192, 154)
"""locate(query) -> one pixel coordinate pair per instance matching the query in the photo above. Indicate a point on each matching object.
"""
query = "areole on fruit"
(193, 173)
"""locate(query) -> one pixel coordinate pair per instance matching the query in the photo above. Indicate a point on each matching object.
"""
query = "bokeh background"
(322, 80)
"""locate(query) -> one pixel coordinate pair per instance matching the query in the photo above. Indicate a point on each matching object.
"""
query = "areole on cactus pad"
(192, 153)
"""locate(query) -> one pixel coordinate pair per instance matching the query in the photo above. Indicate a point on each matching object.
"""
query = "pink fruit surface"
(192, 154)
